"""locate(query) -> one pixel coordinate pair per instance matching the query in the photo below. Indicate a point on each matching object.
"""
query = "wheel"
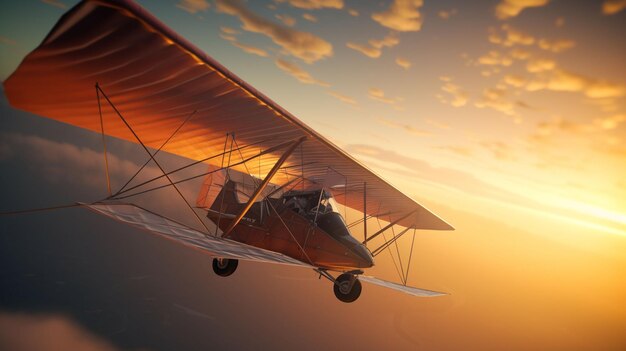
(347, 288)
(224, 266)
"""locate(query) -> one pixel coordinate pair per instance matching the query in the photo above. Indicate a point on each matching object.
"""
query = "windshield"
(311, 202)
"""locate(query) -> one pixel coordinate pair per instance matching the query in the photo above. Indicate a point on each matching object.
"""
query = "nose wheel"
(224, 266)
(347, 288)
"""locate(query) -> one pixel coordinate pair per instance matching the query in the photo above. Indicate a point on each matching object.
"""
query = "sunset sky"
(505, 117)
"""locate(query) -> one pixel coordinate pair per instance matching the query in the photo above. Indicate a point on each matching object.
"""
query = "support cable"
(153, 159)
(155, 153)
(104, 144)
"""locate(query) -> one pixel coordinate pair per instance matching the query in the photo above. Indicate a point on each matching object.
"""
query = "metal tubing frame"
(263, 184)
(380, 249)
(388, 226)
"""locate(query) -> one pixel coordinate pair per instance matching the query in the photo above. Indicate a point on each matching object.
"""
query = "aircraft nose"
(364, 254)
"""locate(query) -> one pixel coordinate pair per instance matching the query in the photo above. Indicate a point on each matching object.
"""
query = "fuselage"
(320, 238)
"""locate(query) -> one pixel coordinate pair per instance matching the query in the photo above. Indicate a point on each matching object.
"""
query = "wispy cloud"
(511, 8)
(55, 3)
(353, 12)
(611, 7)
(250, 49)
(286, 20)
(499, 150)
(379, 95)
(403, 62)
(298, 73)
(309, 17)
(229, 34)
(540, 65)
(342, 97)
(20, 331)
(193, 6)
(375, 46)
(459, 150)
(459, 95)
(495, 58)
(496, 99)
(402, 15)
(406, 127)
(314, 4)
(556, 46)
(446, 14)
(302, 45)
(510, 36)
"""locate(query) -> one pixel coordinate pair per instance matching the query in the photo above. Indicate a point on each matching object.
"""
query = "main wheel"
(224, 266)
(347, 288)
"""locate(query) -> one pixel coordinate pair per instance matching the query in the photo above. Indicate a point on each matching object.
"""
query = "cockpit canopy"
(310, 202)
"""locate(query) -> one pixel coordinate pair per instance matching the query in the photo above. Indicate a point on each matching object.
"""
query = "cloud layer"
(302, 45)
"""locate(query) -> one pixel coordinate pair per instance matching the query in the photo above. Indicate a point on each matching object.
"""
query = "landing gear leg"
(347, 287)
(224, 266)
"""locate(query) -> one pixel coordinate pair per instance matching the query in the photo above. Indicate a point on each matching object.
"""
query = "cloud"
(437, 124)
(601, 89)
(515, 80)
(286, 20)
(511, 8)
(495, 58)
(315, 4)
(495, 98)
(402, 15)
(342, 98)
(556, 46)
(61, 162)
(609, 123)
(228, 30)
(498, 150)
(7, 41)
(446, 14)
(302, 45)
(309, 17)
(459, 150)
(298, 73)
(353, 12)
(407, 128)
(559, 22)
(55, 3)
(229, 34)
(611, 7)
(549, 77)
(379, 95)
(519, 54)
(514, 37)
(193, 6)
(374, 49)
(402, 62)
(459, 96)
(250, 49)
(20, 331)
(540, 65)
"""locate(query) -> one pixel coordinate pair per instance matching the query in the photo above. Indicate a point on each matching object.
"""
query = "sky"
(506, 118)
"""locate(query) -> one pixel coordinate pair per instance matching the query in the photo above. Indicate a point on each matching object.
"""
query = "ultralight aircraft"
(153, 82)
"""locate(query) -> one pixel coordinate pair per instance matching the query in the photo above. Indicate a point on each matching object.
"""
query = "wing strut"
(365, 213)
(263, 184)
(388, 226)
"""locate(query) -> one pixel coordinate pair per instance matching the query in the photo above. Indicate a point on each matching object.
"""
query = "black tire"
(343, 291)
(224, 266)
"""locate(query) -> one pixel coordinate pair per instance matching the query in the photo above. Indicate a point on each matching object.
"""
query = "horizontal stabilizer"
(405, 289)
